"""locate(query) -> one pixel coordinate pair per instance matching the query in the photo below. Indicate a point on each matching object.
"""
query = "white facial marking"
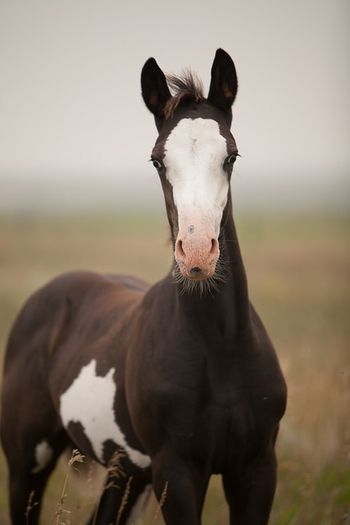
(89, 400)
(43, 455)
(140, 504)
(194, 155)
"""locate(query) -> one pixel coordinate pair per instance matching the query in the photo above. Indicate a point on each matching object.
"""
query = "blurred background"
(77, 191)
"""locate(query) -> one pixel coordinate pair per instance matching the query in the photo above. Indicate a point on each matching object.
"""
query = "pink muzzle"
(196, 253)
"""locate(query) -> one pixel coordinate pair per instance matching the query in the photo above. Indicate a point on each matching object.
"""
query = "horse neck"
(228, 306)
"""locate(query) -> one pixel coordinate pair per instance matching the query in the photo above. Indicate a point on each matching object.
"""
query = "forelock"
(186, 87)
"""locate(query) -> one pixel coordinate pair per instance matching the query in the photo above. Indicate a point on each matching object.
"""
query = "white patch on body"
(140, 504)
(43, 455)
(195, 152)
(89, 400)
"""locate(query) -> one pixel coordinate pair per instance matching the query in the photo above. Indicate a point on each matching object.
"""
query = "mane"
(186, 87)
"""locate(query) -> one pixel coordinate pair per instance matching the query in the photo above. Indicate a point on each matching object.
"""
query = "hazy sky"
(73, 127)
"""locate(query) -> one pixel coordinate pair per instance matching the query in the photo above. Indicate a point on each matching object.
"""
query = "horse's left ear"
(224, 84)
(155, 90)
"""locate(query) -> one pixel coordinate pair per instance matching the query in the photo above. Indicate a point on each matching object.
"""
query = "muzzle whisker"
(208, 286)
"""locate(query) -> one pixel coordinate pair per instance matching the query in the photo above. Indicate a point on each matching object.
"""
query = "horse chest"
(210, 431)
(213, 412)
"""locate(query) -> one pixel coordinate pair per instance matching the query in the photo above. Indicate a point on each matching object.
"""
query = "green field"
(298, 271)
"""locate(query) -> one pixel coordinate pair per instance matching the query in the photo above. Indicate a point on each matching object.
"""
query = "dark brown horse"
(181, 376)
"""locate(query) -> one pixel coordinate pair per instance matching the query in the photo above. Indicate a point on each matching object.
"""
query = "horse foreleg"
(250, 494)
(180, 489)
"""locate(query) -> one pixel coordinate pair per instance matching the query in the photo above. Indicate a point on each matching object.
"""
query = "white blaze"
(90, 401)
(195, 152)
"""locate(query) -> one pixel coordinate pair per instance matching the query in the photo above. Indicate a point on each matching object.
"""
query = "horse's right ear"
(154, 87)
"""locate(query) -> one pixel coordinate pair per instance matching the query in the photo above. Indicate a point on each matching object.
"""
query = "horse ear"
(224, 84)
(154, 87)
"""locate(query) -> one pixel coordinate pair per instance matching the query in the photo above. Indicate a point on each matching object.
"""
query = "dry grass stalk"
(90, 474)
(30, 505)
(124, 500)
(161, 502)
(114, 471)
(58, 518)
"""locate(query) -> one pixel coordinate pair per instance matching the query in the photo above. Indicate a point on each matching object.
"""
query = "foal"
(181, 376)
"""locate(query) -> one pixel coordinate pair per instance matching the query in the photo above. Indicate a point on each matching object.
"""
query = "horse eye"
(158, 165)
(231, 160)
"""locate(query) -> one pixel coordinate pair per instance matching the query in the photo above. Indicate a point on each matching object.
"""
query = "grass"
(298, 279)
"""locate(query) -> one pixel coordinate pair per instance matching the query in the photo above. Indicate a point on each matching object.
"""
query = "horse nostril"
(214, 247)
(179, 249)
(195, 269)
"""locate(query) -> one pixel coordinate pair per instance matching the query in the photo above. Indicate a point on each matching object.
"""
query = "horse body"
(215, 389)
(179, 379)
